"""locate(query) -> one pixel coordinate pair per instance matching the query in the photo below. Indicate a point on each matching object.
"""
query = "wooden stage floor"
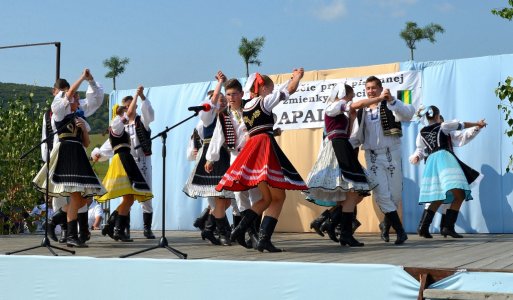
(474, 251)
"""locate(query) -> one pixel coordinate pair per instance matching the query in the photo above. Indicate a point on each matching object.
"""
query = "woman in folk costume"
(446, 179)
(262, 163)
(337, 178)
(202, 184)
(123, 178)
(70, 172)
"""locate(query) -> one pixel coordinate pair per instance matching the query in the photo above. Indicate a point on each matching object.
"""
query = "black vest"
(49, 129)
(143, 135)
(120, 143)
(387, 119)
(196, 139)
(208, 131)
(68, 130)
(435, 139)
(228, 129)
(256, 120)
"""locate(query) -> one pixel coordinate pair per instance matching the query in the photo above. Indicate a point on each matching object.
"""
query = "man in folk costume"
(88, 106)
(378, 131)
(231, 133)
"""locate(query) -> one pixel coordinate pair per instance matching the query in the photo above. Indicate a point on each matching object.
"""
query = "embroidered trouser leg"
(385, 169)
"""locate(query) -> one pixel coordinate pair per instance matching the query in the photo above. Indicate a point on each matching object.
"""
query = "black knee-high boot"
(442, 222)
(239, 232)
(317, 223)
(72, 239)
(83, 224)
(64, 232)
(346, 235)
(266, 232)
(208, 231)
(450, 219)
(384, 228)
(108, 229)
(147, 218)
(252, 231)
(58, 218)
(201, 219)
(425, 222)
(119, 229)
(224, 229)
(331, 224)
(395, 222)
(355, 223)
(236, 220)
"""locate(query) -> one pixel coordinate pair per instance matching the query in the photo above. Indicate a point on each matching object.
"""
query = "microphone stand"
(163, 243)
(46, 241)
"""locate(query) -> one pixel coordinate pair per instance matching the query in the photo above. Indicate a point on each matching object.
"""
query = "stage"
(310, 265)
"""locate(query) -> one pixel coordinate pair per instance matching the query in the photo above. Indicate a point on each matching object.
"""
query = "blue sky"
(172, 42)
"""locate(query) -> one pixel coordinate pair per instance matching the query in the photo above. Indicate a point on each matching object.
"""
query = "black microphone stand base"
(163, 241)
(44, 243)
(162, 244)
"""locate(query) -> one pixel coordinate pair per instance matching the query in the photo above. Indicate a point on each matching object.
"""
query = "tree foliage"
(249, 50)
(505, 91)
(116, 67)
(20, 125)
(413, 34)
(505, 12)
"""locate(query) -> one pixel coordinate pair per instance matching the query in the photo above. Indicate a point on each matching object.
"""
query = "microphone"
(205, 107)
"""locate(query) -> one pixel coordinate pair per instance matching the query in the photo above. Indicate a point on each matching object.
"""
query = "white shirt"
(95, 210)
(147, 116)
(218, 138)
(370, 134)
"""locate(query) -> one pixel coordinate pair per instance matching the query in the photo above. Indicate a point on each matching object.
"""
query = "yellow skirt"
(117, 184)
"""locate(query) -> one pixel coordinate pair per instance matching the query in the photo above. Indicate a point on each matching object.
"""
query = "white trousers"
(144, 164)
(59, 202)
(385, 168)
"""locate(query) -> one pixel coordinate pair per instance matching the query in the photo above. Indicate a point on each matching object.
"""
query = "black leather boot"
(450, 219)
(72, 239)
(239, 232)
(266, 232)
(346, 235)
(331, 224)
(59, 217)
(442, 222)
(119, 230)
(384, 228)
(317, 223)
(200, 221)
(252, 231)
(83, 225)
(147, 218)
(108, 229)
(425, 222)
(395, 222)
(64, 233)
(236, 220)
(224, 229)
(208, 231)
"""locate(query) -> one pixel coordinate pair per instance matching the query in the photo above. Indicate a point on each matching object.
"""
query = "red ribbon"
(259, 81)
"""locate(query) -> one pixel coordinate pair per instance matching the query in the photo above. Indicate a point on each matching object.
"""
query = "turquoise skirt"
(443, 173)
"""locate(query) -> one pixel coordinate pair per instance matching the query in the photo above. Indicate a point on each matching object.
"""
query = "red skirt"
(261, 159)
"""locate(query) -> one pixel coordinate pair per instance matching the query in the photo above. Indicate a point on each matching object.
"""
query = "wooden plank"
(465, 295)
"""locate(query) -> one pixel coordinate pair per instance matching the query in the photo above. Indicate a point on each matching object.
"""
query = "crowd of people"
(239, 164)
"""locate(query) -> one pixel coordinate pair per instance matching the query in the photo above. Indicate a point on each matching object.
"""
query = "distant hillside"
(99, 122)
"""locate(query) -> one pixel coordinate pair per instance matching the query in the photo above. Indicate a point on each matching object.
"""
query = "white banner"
(305, 108)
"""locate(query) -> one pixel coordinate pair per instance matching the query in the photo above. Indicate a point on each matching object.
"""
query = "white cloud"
(331, 11)
(445, 7)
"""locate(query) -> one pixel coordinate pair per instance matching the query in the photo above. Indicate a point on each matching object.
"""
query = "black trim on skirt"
(73, 167)
(348, 161)
(201, 177)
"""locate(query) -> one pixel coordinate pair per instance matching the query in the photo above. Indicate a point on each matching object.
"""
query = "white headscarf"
(338, 92)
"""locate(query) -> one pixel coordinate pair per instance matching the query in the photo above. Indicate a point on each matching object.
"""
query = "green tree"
(505, 91)
(249, 51)
(412, 34)
(21, 129)
(505, 12)
(116, 67)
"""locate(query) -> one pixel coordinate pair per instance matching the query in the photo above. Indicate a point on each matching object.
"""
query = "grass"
(97, 140)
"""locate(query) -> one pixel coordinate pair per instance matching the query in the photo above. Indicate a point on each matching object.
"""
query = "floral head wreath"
(115, 110)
